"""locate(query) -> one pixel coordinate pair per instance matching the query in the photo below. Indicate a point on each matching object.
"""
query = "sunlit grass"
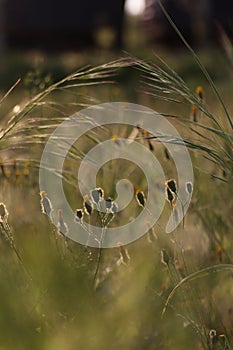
(162, 291)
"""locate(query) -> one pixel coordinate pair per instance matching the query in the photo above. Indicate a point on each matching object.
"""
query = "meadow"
(163, 291)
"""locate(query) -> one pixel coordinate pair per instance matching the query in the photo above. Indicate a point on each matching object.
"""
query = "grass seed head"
(46, 205)
(3, 212)
(172, 185)
(87, 205)
(165, 258)
(194, 113)
(79, 215)
(169, 196)
(97, 195)
(199, 92)
(114, 208)
(140, 197)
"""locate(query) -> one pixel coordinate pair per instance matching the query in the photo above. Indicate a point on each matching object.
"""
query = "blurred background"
(66, 35)
(75, 25)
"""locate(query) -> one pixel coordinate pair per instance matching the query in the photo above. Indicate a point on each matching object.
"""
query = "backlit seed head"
(87, 205)
(108, 203)
(79, 215)
(97, 195)
(46, 205)
(172, 185)
(199, 92)
(165, 258)
(114, 208)
(140, 197)
(194, 113)
(43, 194)
(169, 196)
(3, 212)
(213, 336)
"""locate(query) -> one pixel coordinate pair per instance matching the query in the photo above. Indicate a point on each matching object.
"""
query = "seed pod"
(87, 205)
(114, 208)
(140, 198)
(3, 212)
(172, 185)
(97, 195)
(169, 196)
(108, 203)
(213, 336)
(79, 215)
(46, 205)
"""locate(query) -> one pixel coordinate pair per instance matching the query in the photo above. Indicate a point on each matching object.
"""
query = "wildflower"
(87, 205)
(46, 205)
(140, 198)
(199, 92)
(61, 225)
(79, 215)
(97, 195)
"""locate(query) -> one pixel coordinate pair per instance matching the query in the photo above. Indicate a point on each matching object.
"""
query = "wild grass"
(160, 292)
